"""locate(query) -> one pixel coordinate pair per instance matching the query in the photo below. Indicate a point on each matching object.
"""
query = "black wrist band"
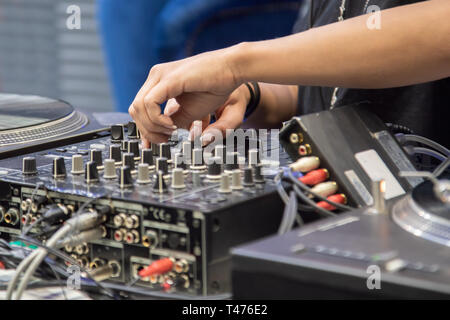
(255, 96)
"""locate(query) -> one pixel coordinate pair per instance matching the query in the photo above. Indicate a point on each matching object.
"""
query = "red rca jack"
(314, 177)
(26, 219)
(119, 234)
(305, 164)
(304, 150)
(325, 189)
(338, 198)
(157, 267)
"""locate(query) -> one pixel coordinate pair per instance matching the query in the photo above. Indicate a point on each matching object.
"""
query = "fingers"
(172, 106)
(149, 131)
(146, 110)
(231, 117)
(145, 143)
(197, 127)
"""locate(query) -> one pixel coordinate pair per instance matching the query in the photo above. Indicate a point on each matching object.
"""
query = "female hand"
(198, 86)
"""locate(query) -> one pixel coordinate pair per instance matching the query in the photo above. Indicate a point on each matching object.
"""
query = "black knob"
(133, 147)
(128, 160)
(91, 172)
(155, 149)
(161, 165)
(29, 166)
(180, 162)
(232, 161)
(115, 153)
(125, 145)
(165, 150)
(59, 168)
(160, 184)
(214, 167)
(133, 132)
(220, 151)
(125, 177)
(147, 156)
(96, 156)
(117, 133)
(248, 177)
(258, 177)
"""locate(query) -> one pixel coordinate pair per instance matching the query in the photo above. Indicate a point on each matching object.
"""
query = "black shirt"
(422, 108)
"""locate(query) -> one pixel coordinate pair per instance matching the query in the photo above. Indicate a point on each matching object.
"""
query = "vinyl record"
(26, 118)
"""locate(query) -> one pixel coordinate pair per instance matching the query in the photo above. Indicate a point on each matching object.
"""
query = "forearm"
(412, 46)
(278, 103)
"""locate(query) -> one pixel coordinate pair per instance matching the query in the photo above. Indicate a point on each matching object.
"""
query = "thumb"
(172, 106)
(231, 118)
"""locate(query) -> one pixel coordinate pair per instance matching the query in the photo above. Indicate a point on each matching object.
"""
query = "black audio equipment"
(354, 147)
(157, 206)
(403, 253)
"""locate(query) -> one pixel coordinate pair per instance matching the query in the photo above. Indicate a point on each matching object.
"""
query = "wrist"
(236, 60)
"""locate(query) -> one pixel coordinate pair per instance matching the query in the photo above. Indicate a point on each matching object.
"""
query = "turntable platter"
(26, 118)
(424, 215)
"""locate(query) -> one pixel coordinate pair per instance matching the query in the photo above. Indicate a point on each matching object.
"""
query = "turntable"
(28, 122)
(409, 243)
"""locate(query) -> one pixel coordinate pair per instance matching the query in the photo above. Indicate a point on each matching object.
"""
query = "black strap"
(255, 97)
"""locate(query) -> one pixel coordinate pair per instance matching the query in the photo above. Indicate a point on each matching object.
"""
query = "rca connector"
(157, 267)
(304, 150)
(338, 198)
(305, 164)
(325, 189)
(314, 177)
(132, 222)
(119, 219)
(132, 237)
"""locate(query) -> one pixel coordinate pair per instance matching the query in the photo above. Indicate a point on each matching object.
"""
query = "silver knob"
(224, 183)
(197, 159)
(187, 151)
(236, 181)
(253, 157)
(110, 169)
(77, 164)
(143, 173)
(178, 178)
